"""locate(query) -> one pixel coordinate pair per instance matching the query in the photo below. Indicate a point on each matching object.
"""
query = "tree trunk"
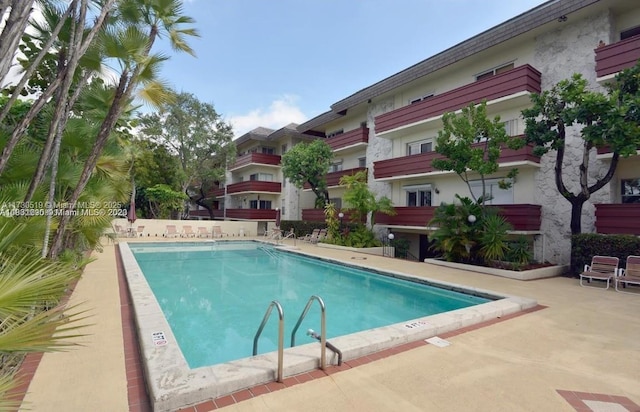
(576, 215)
(12, 31)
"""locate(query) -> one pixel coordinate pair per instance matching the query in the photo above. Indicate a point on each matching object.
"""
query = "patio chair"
(170, 231)
(187, 231)
(321, 236)
(312, 235)
(629, 275)
(603, 268)
(140, 231)
(216, 231)
(120, 231)
(203, 232)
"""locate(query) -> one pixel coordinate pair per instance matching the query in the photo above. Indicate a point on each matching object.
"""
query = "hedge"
(587, 245)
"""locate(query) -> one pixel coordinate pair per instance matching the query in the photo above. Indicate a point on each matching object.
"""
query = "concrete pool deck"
(574, 355)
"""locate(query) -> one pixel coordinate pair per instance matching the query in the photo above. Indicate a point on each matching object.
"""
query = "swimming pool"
(172, 384)
(215, 296)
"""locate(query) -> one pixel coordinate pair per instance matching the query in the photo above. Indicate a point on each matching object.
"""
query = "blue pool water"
(215, 294)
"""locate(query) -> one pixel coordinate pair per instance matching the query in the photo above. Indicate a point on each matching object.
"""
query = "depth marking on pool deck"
(158, 338)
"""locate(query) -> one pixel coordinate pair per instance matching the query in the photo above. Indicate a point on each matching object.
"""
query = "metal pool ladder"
(280, 335)
(323, 336)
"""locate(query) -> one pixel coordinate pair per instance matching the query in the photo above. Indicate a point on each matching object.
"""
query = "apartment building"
(389, 128)
(255, 189)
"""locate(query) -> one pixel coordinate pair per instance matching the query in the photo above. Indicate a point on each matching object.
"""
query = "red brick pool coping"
(139, 400)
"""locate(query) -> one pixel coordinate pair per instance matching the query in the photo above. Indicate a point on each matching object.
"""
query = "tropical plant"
(458, 229)
(333, 223)
(308, 163)
(164, 202)
(600, 120)
(361, 237)
(471, 144)
(493, 238)
(519, 252)
(361, 201)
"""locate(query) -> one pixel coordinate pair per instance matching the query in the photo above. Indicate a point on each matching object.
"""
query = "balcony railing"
(522, 217)
(255, 158)
(333, 178)
(621, 218)
(350, 138)
(217, 213)
(617, 56)
(521, 79)
(421, 163)
(218, 192)
(254, 186)
(251, 214)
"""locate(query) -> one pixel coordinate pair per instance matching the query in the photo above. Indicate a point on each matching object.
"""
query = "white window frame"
(494, 70)
(630, 195)
(335, 167)
(418, 144)
(262, 177)
(427, 188)
(421, 98)
(492, 186)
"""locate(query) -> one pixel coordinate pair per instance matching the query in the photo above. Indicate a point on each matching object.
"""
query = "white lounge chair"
(170, 231)
(603, 268)
(216, 231)
(187, 231)
(630, 275)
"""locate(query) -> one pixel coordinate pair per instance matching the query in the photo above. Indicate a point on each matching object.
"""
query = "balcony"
(254, 186)
(523, 217)
(521, 79)
(204, 213)
(251, 214)
(333, 178)
(621, 218)
(357, 137)
(420, 164)
(617, 56)
(255, 159)
(218, 192)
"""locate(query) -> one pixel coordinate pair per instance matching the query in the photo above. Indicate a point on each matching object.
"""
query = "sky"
(273, 62)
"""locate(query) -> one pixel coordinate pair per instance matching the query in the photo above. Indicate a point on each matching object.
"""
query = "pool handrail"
(323, 336)
(280, 335)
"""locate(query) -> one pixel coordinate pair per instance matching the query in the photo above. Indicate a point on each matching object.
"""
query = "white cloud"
(280, 113)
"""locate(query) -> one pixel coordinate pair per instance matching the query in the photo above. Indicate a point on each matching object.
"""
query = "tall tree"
(198, 136)
(471, 144)
(361, 200)
(131, 48)
(309, 163)
(600, 120)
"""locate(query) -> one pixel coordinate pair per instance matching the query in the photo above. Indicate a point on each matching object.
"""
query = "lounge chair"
(312, 235)
(140, 231)
(321, 236)
(120, 231)
(187, 231)
(170, 231)
(601, 268)
(203, 232)
(216, 231)
(629, 275)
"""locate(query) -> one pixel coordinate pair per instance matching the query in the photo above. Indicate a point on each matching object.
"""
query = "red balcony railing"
(255, 158)
(255, 214)
(218, 192)
(217, 213)
(520, 79)
(254, 186)
(522, 217)
(617, 56)
(333, 178)
(350, 138)
(620, 218)
(421, 163)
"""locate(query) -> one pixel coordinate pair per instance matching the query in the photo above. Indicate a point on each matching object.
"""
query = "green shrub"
(585, 246)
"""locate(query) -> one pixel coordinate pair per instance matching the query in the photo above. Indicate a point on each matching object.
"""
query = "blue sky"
(272, 62)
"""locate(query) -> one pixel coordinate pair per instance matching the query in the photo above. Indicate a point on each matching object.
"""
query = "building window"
(421, 98)
(362, 162)
(632, 32)
(630, 190)
(511, 127)
(284, 148)
(337, 202)
(422, 146)
(335, 133)
(418, 195)
(262, 177)
(336, 167)
(259, 204)
(494, 71)
(268, 150)
(495, 195)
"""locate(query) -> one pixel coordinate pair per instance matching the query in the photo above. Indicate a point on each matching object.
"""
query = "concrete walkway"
(587, 341)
